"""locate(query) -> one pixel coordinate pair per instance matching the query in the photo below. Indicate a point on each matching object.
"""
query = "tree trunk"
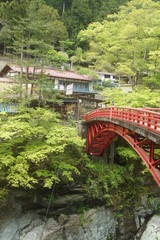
(145, 53)
(21, 74)
(4, 50)
(27, 70)
(32, 85)
(64, 7)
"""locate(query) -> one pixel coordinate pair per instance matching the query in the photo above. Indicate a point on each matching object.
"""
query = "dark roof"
(5, 70)
(51, 72)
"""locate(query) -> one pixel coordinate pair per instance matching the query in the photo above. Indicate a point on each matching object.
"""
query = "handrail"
(153, 109)
(146, 118)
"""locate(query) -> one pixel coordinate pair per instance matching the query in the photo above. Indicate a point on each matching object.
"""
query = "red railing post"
(143, 117)
(111, 112)
(129, 115)
(137, 117)
(148, 120)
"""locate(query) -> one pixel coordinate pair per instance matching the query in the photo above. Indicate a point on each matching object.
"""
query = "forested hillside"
(52, 22)
(76, 15)
(127, 43)
(117, 36)
(65, 19)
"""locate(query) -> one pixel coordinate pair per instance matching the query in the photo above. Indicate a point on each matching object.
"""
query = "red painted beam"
(101, 134)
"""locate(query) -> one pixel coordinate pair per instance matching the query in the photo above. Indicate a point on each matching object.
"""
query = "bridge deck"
(143, 121)
(139, 127)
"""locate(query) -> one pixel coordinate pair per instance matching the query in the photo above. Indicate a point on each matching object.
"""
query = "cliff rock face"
(93, 224)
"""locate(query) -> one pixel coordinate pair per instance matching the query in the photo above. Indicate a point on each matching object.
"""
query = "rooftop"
(51, 72)
(107, 73)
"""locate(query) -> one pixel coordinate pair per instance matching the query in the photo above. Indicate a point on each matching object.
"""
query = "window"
(107, 75)
(81, 87)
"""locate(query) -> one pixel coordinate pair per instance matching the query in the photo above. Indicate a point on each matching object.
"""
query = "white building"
(105, 76)
(115, 81)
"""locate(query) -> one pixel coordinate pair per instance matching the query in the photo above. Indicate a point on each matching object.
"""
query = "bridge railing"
(146, 118)
(153, 109)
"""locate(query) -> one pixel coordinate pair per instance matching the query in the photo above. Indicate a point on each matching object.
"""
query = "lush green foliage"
(116, 184)
(38, 22)
(138, 98)
(37, 150)
(127, 43)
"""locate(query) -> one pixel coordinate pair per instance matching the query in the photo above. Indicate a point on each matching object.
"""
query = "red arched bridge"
(139, 127)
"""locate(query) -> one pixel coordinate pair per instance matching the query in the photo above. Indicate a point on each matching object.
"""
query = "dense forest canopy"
(127, 43)
(75, 15)
(117, 36)
(30, 28)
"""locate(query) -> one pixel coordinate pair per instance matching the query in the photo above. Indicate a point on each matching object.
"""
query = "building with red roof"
(60, 79)
(79, 87)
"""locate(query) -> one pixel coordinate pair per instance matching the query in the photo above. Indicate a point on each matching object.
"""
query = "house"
(105, 76)
(82, 86)
(112, 80)
(60, 79)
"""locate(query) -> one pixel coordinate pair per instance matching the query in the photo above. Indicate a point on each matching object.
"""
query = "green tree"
(152, 80)
(37, 150)
(36, 20)
(45, 23)
(124, 42)
(138, 98)
(9, 12)
(36, 33)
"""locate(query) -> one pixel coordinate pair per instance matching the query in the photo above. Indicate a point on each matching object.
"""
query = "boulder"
(22, 228)
(34, 234)
(73, 229)
(52, 230)
(152, 231)
(62, 219)
(95, 224)
(99, 224)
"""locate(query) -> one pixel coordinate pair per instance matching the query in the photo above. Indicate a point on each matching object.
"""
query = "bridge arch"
(142, 133)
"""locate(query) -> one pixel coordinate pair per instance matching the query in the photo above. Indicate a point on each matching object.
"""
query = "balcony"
(76, 89)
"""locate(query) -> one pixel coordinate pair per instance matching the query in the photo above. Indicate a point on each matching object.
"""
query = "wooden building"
(60, 79)
(82, 86)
